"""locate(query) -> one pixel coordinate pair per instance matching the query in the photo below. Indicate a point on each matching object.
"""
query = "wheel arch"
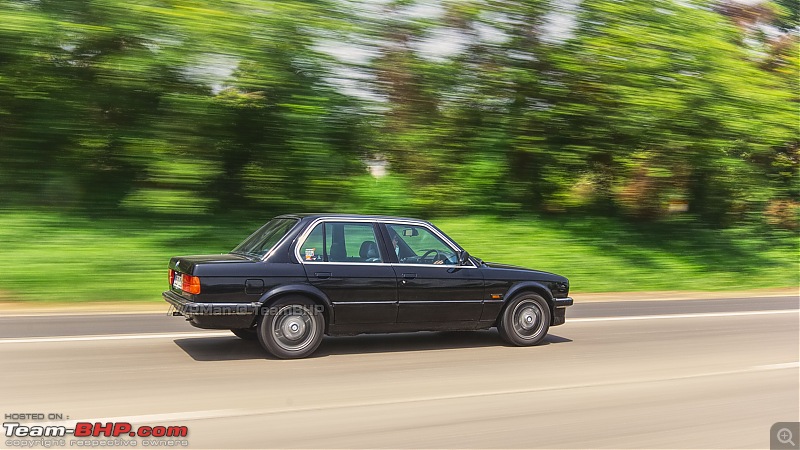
(522, 287)
(304, 290)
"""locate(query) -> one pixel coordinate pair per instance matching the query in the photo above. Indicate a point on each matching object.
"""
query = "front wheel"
(291, 328)
(525, 320)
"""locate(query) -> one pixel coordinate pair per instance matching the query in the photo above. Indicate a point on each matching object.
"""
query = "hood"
(526, 273)
(494, 265)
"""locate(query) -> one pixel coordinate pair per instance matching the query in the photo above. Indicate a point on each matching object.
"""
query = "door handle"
(409, 276)
(322, 274)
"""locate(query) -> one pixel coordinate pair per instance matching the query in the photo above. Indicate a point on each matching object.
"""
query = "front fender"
(535, 286)
(524, 286)
(301, 289)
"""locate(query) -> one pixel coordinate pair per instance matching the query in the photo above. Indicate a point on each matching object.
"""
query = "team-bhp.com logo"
(97, 429)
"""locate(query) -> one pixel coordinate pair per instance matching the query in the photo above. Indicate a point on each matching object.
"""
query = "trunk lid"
(187, 264)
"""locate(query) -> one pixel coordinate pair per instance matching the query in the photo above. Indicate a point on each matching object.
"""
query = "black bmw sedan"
(303, 276)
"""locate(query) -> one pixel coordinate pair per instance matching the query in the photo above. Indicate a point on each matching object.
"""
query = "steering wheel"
(437, 256)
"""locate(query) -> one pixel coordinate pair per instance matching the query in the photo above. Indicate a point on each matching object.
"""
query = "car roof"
(314, 216)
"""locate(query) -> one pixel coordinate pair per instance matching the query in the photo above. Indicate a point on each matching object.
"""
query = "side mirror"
(463, 258)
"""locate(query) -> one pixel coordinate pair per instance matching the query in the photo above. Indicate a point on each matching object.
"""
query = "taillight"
(191, 284)
(171, 276)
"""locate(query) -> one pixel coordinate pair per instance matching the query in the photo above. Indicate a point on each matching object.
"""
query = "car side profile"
(302, 276)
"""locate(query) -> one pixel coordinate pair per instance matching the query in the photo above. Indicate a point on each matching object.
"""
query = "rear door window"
(342, 242)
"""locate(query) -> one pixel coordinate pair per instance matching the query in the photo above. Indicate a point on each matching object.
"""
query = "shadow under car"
(233, 349)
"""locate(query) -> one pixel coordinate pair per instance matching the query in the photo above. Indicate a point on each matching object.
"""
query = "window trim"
(433, 231)
(301, 239)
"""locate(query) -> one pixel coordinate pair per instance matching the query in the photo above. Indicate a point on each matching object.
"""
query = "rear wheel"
(525, 320)
(291, 328)
(248, 334)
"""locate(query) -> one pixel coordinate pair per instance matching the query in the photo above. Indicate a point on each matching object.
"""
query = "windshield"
(262, 241)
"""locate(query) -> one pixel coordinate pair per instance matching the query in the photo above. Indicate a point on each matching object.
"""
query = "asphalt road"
(665, 374)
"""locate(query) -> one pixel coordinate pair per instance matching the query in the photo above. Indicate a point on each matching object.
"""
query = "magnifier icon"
(784, 436)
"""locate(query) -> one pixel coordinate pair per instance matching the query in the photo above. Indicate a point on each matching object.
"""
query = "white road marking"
(684, 316)
(124, 337)
(174, 417)
(790, 365)
(152, 418)
(49, 313)
(115, 337)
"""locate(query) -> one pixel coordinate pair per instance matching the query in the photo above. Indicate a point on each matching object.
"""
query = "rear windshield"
(262, 241)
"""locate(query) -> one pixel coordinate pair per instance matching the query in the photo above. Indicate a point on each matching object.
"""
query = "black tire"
(525, 320)
(248, 334)
(291, 328)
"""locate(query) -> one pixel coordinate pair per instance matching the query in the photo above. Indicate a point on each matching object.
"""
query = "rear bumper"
(213, 315)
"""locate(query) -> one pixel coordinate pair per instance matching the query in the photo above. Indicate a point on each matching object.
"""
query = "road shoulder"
(683, 295)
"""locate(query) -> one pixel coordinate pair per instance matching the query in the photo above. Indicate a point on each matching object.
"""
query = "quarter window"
(313, 248)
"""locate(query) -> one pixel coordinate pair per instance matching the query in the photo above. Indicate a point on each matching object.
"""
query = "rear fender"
(298, 289)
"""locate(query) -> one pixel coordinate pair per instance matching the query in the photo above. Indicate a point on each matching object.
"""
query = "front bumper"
(213, 315)
(562, 302)
(560, 310)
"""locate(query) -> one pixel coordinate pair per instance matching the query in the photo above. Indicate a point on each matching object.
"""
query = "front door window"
(418, 245)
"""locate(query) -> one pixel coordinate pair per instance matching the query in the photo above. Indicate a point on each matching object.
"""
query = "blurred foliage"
(491, 107)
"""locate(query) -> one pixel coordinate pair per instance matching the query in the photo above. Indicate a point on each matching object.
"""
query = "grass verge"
(58, 257)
